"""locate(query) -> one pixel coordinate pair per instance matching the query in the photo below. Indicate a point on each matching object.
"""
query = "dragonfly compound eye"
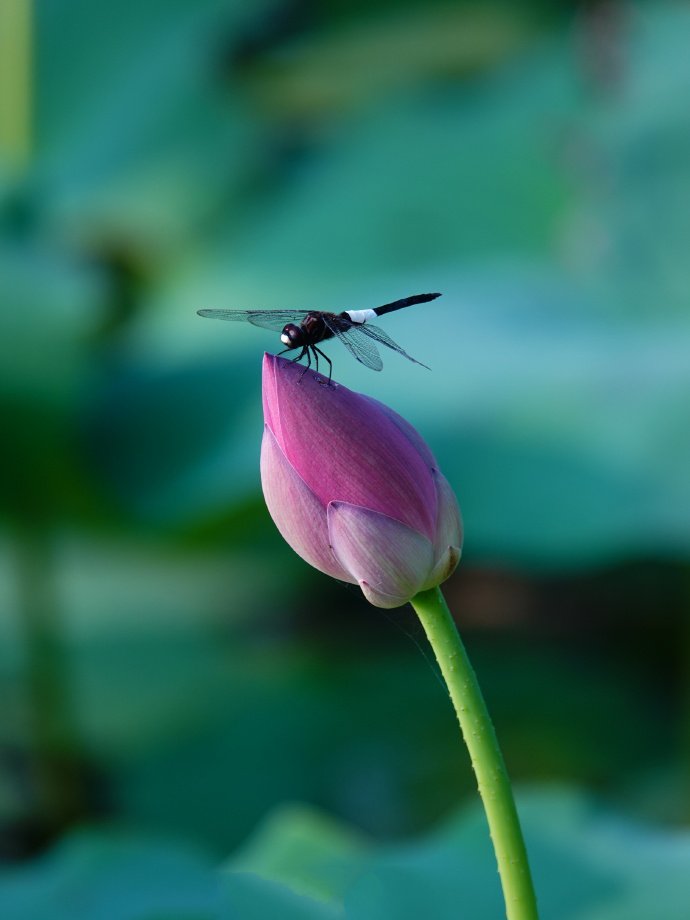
(291, 335)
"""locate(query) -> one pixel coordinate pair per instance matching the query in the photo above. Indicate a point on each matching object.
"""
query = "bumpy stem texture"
(487, 760)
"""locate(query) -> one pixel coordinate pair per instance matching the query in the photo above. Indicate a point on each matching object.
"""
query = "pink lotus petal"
(269, 393)
(347, 448)
(298, 514)
(388, 559)
(412, 435)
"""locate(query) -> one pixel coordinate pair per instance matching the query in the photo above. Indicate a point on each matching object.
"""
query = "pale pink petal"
(448, 539)
(444, 568)
(448, 520)
(379, 599)
(389, 560)
(298, 514)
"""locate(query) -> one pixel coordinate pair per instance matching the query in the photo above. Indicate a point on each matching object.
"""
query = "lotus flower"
(353, 488)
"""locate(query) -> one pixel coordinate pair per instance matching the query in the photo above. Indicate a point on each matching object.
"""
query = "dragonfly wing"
(384, 339)
(359, 346)
(266, 319)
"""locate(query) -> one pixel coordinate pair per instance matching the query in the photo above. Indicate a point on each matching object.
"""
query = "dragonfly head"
(291, 336)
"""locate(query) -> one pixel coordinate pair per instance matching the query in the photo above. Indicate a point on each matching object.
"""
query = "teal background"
(171, 674)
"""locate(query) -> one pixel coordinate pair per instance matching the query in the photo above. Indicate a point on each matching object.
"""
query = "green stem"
(487, 760)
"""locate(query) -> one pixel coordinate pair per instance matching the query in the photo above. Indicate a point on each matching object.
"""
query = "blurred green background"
(167, 665)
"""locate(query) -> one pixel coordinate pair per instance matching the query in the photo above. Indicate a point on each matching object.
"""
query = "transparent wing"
(380, 336)
(358, 345)
(266, 319)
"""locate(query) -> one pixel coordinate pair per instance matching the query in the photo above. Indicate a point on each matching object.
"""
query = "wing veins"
(363, 350)
(265, 319)
(374, 332)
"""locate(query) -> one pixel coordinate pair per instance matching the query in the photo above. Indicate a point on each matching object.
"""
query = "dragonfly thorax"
(309, 332)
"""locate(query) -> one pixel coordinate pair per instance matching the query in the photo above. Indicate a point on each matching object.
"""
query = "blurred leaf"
(137, 139)
(176, 443)
(114, 878)
(134, 616)
(424, 183)
(255, 898)
(51, 306)
(120, 877)
(587, 863)
(306, 851)
(630, 234)
(350, 67)
(390, 762)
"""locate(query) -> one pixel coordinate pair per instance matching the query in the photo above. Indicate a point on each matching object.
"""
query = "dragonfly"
(307, 329)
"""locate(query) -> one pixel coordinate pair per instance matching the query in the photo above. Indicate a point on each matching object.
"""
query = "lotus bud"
(353, 488)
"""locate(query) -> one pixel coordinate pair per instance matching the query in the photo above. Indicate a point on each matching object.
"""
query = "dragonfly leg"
(327, 360)
(305, 351)
(299, 356)
(295, 359)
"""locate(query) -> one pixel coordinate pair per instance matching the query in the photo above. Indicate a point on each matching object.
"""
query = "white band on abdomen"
(361, 316)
